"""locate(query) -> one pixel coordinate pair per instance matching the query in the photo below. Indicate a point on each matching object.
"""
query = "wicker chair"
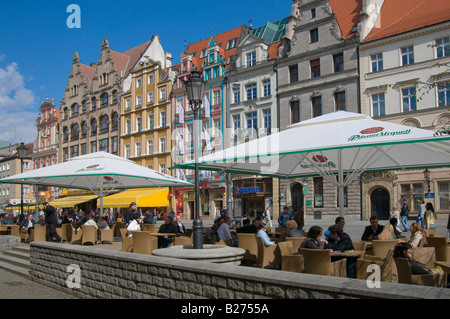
(405, 275)
(149, 227)
(127, 242)
(187, 239)
(64, 232)
(248, 242)
(119, 226)
(39, 233)
(290, 259)
(296, 242)
(144, 242)
(15, 230)
(268, 256)
(89, 234)
(76, 233)
(360, 245)
(318, 262)
(107, 235)
(381, 247)
(3, 230)
(431, 232)
(440, 246)
(387, 266)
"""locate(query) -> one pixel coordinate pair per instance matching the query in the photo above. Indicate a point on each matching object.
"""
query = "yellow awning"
(71, 201)
(143, 197)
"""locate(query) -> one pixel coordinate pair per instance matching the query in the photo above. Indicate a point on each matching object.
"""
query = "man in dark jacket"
(132, 213)
(51, 221)
(168, 227)
(373, 230)
(340, 241)
(404, 215)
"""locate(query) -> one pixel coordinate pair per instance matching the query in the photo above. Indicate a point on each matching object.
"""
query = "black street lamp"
(21, 153)
(426, 175)
(195, 87)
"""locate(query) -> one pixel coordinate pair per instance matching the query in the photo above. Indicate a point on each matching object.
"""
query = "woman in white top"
(417, 233)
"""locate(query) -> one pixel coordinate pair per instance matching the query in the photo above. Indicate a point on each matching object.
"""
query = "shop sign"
(246, 190)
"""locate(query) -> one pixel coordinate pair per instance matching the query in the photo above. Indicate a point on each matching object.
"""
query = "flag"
(207, 107)
(180, 143)
(181, 175)
(208, 140)
(206, 175)
(180, 112)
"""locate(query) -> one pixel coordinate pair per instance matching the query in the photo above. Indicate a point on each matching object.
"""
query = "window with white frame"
(138, 124)
(137, 149)
(232, 43)
(407, 55)
(378, 104)
(162, 94)
(267, 117)
(127, 150)
(251, 91)
(443, 47)
(443, 195)
(237, 94)
(376, 62)
(266, 87)
(251, 58)
(128, 126)
(252, 123)
(443, 89)
(150, 121)
(162, 145)
(138, 100)
(216, 97)
(150, 147)
(163, 118)
(127, 104)
(150, 79)
(216, 123)
(162, 168)
(150, 97)
(236, 123)
(138, 83)
(190, 136)
(409, 99)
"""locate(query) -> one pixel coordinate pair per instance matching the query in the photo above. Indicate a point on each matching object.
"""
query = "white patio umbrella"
(333, 144)
(99, 172)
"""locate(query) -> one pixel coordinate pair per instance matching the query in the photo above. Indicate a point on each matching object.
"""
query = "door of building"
(379, 201)
(297, 197)
(254, 207)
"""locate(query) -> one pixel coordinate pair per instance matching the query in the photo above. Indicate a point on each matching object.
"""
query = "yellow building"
(145, 117)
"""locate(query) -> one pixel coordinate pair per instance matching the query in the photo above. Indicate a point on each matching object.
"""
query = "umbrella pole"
(341, 185)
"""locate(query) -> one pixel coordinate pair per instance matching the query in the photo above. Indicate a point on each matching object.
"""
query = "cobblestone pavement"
(13, 286)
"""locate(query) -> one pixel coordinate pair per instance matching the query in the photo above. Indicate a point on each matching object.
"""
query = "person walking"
(51, 222)
(421, 213)
(404, 213)
(267, 217)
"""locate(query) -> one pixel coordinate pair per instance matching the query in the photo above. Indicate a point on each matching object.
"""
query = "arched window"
(83, 130)
(75, 108)
(104, 124)
(94, 103)
(115, 96)
(66, 113)
(115, 122)
(93, 127)
(65, 134)
(75, 132)
(83, 107)
(104, 99)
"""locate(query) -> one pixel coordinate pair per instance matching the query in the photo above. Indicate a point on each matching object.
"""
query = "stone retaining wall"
(114, 274)
(7, 242)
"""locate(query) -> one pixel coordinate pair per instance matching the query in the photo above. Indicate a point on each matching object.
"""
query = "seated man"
(249, 229)
(373, 230)
(168, 227)
(340, 241)
(224, 231)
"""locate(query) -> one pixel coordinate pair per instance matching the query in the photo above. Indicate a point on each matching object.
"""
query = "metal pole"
(21, 191)
(341, 185)
(198, 223)
(228, 137)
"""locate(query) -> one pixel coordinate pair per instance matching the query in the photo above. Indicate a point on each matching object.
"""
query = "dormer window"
(232, 43)
(251, 59)
(203, 53)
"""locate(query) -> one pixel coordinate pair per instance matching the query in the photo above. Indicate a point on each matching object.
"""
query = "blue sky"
(37, 46)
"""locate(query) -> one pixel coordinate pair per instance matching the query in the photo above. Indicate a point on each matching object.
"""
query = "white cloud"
(18, 127)
(13, 93)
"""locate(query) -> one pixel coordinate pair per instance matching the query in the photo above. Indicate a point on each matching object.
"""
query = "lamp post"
(426, 175)
(21, 153)
(195, 87)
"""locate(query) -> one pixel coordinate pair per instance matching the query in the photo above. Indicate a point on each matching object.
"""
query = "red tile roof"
(400, 16)
(220, 38)
(88, 71)
(347, 15)
(273, 50)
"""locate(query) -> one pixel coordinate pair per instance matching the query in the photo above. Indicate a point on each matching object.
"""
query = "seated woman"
(417, 233)
(293, 230)
(262, 232)
(405, 250)
(388, 233)
(314, 239)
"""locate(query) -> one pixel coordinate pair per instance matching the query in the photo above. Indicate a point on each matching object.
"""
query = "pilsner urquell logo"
(376, 132)
(94, 167)
(320, 161)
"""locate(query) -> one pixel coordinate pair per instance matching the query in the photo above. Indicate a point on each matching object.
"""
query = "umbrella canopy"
(98, 172)
(333, 144)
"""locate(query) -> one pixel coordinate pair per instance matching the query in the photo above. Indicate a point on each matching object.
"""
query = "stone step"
(16, 261)
(18, 253)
